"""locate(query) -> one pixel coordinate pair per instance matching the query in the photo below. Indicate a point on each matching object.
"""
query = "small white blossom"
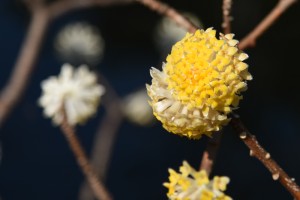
(75, 89)
(80, 43)
(137, 109)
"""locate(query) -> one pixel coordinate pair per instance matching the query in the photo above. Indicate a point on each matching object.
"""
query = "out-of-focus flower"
(75, 89)
(136, 108)
(167, 32)
(80, 43)
(200, 84)
(190, 184)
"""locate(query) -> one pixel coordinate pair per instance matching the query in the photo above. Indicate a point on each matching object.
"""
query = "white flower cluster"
(80, 42)
(75, 89)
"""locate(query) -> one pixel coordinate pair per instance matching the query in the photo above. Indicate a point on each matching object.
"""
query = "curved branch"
(12, 92)
(280, 8)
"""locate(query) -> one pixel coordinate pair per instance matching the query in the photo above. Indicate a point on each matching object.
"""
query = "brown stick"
(170, 12)
(209, 155)
(104, 137)
(12, 92)
(98, 188)
(226, 25)
(261, 154)
(250, 39)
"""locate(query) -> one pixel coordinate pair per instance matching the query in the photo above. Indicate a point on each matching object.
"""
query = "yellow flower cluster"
(190, 184)
(200, 84)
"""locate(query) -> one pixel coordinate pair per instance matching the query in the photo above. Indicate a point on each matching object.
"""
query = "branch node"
(243, 135)
(267, 156)
(275, 176)
(251, 153)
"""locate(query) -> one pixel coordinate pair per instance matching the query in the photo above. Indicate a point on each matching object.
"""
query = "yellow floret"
(190, 184)
(201, 70)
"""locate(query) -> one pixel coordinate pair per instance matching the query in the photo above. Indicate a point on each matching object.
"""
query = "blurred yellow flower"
(190, 184)
(200, 84)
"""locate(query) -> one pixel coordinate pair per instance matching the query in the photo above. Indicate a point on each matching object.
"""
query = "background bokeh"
(37, 163)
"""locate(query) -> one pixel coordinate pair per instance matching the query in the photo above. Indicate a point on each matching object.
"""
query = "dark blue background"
(38, 165)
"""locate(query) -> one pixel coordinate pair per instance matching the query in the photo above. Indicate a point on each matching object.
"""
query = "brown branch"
(280, 8)
(170, 12)
(226, 16)
(209, 155)
(104, 137)
(98, 188)
(12, 92)
(261, 154)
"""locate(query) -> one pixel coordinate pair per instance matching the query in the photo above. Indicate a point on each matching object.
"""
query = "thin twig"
(12, 92)
(170, 12)
(261, 154)
(97, 186)
(104, 137)
(210, 153)
(226, 25)
(278, 10)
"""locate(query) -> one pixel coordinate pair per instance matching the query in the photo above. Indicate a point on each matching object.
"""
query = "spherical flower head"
(80, 43)
(190, 184)
(200, 84)
(75, 90)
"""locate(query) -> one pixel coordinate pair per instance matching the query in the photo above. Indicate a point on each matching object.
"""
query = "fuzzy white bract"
(80, 43)
(75, 89)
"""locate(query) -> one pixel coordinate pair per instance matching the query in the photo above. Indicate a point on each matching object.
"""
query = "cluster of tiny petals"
(200, 84)
(190, 184)
(76, 90)
(80, 41)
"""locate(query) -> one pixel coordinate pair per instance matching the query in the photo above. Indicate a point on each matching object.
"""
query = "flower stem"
(261, 154)
(210, 153)
(97, 186)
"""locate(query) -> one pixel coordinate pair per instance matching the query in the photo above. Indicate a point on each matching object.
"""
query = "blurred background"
(36, 162)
